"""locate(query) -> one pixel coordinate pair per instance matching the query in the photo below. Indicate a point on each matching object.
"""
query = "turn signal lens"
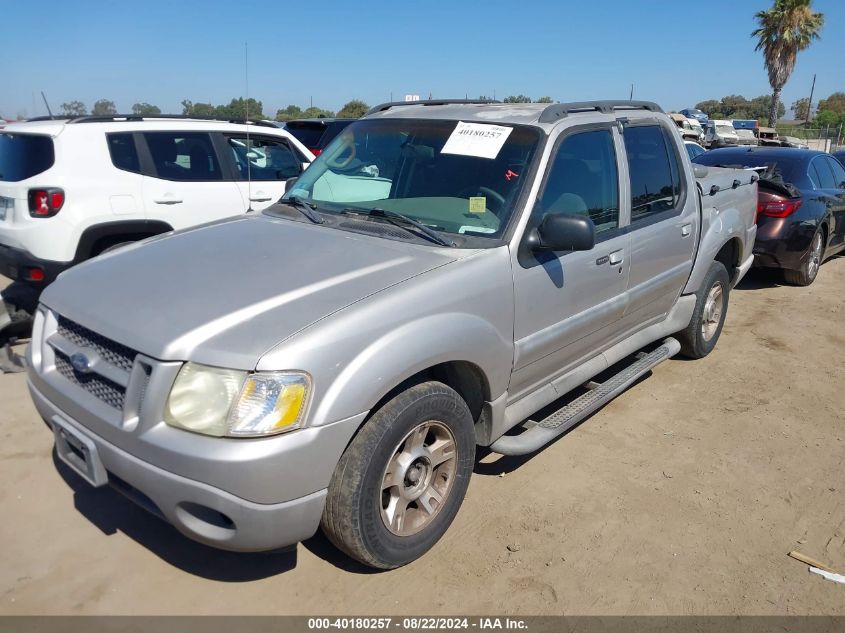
(270, 402)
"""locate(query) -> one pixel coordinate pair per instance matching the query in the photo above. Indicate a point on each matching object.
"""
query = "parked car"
(71, 189)
(315, 134)
(768, 136)
(801, 212)
(335, 359)
(698, 115)
(688, 132)
(694, 123)
(746, 131)
(793, 141)
(720, 133)
(693, 149)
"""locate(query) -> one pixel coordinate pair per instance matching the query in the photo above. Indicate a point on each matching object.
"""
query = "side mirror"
(700, 171)
(564, 232)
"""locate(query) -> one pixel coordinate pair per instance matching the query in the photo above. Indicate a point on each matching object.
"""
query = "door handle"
(686, 229)
(615, 258)
(167, 201)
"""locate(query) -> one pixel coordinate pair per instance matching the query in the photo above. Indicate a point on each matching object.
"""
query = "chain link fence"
(825, 139)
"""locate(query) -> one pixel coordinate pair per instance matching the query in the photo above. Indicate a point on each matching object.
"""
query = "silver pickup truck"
(442, 272)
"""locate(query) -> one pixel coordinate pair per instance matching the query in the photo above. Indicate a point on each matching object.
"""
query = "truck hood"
(224, 293)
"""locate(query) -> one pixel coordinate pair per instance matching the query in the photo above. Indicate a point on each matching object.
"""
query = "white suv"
(72, 189)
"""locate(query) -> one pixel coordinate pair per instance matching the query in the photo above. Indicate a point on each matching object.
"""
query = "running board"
(599, 394)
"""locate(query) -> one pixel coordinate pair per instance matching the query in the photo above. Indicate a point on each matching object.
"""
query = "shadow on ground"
(111, 513)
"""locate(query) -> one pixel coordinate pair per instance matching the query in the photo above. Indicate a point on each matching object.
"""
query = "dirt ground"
(682, 496)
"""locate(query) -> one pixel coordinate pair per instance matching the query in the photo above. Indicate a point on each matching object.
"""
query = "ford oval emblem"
(80, 362)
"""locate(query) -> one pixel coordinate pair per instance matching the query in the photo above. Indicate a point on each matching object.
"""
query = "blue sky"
(676, 53)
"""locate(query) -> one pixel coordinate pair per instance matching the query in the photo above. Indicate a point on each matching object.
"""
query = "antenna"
(246, 121)
(47, 104)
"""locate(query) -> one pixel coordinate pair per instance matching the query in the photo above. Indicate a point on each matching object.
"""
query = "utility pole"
(810, 104)
(631, 98)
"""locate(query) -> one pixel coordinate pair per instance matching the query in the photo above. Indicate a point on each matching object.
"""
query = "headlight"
(222, 402)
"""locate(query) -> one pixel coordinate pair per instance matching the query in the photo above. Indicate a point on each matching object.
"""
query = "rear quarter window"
(309, 134)
(123, 153)
(23, 156)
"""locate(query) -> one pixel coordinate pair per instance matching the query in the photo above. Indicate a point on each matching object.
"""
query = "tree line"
(830, 111)
(237, 108)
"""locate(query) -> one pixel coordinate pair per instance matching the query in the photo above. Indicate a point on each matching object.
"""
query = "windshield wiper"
(394, 217)
(308, 209)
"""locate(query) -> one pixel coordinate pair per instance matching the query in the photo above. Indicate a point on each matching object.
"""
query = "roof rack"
(428, 102)
(559, 110)
(55, 117)
(96, 118)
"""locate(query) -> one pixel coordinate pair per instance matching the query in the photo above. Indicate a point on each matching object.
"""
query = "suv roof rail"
(96, 118)
(559, 110)
(427, 102)
(55, 117)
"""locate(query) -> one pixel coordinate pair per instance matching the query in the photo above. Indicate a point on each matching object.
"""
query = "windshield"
(725, 129)
(453, 177)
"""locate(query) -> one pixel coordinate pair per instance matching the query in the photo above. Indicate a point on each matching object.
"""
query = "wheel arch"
(95, 238)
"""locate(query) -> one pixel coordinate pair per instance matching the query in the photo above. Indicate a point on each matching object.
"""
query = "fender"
(93, 234)
(719, 226)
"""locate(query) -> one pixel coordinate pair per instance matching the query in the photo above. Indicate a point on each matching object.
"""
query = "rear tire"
(711, 307)
(401, 481)
(807, 274)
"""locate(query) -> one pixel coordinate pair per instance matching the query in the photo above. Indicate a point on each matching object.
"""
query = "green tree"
(783, 31)
(145, 109)
(353, 110)
(708, 107)
(834, 103)
(291, 112)
(240, 108)
(825, 118)
(73, 108)
(199, 110)
(544, 100)
(517, 99)
(318, 113)
(733, 104)
(801, 109)
(104, 107)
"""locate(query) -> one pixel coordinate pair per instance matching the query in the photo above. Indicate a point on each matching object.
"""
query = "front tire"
(711, 307)
(401, 481)
(807, 274)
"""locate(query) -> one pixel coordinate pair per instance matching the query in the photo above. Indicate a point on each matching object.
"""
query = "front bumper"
(14, 262)
(204, 512)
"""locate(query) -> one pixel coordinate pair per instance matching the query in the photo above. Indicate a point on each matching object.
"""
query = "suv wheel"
(401, 480)
(807, 274)
(711, 306)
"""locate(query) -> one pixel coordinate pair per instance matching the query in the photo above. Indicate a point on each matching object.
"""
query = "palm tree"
(788, 27)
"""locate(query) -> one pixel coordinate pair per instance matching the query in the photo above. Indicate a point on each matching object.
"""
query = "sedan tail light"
(45, 203)
(776, 206)
(316, 151)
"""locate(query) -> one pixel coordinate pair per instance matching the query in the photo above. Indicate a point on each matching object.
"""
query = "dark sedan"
(840, 155)
(800, 210)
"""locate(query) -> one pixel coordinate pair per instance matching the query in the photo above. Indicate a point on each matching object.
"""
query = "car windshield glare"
(454, 177)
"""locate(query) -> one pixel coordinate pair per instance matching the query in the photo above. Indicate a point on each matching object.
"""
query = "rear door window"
(838, 172)
(654, 172)
(23, 156)
(185, 156)
(821, 175)
(124, 154)
(262, 158)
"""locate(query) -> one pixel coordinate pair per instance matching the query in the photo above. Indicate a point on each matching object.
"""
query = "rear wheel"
(807, 274)
(399, 484)
(711, 307)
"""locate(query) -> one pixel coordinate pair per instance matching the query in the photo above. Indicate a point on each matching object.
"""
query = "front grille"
(113, 353)
(99, 387)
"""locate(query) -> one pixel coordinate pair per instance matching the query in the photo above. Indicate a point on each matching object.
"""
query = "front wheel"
(401, 481)
(711, 306)
(808, 272)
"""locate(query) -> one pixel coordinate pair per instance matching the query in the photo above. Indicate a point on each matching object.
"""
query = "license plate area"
(6, 206)
(79, 453)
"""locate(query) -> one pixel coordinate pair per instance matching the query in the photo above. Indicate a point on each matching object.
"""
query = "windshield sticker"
(510, 174)
(478, 205)
(476, 139)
